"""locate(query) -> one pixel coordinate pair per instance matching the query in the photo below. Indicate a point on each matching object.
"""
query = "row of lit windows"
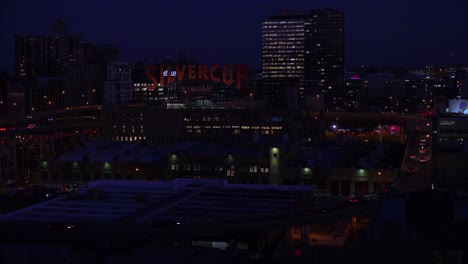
(292, 68)
(124, 129)
(275, 53)
(208, 118)
(272, 56)
(142, 84)
(289, 40)
(282, 47)
(282, 74)
(235, 131)
(281, 33)
(272, 22)
(236, 127)
(243, 117)
(274, 42)
(274, 65)
(274, 26)
(285, 38)
(198, 167)
(296, 52)
(276, 75)
(282, 22)
(128, 138)
(281, 26)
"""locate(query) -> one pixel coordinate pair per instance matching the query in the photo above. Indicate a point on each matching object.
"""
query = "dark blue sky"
(382, 33)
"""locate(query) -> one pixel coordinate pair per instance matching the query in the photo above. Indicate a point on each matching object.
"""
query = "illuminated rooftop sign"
(215, 73)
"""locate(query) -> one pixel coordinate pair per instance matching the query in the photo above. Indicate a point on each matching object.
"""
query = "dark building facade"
(3, 95)
(252, 131)
(61, 55)
(352, 101)
(46, 56)
(324, 54)
(228, 126)
(279, 92)
(15, 99)
(141, 94)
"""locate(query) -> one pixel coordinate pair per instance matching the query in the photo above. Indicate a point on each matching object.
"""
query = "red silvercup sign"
(215, 73)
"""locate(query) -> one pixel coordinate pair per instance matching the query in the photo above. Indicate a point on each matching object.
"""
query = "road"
(415, 154)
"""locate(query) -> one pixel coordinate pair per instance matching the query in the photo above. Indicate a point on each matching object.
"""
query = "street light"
(379, 181)
(92, 99)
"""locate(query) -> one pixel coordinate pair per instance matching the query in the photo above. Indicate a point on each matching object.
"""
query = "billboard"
(458, 106)
(216, 73)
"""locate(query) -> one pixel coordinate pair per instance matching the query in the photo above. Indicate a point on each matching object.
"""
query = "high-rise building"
(306, 46)
(118, 87)
(283, 47)
(324, 55)
(46, 56)
(69, 48)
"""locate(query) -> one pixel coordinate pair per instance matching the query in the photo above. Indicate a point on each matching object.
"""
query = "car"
(423, 159)
(60, 226)
(158, 223)
(358, 200)
(422, 150)
(410, 170)
(423, 140)
(391, 190)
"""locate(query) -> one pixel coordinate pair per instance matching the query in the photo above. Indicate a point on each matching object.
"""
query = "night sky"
(381, 33)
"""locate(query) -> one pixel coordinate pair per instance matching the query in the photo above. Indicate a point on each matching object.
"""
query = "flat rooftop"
(179, 200)
(128, 152)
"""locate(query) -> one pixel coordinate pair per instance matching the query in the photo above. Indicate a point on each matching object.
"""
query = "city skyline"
(422, 34)
(210, 131)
